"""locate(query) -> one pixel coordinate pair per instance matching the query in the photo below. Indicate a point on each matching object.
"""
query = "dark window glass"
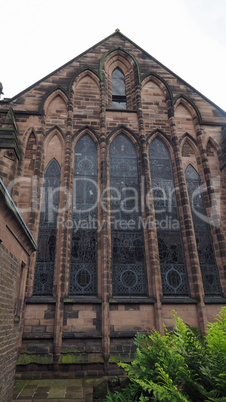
(118, 89)
(171, 254)
(128, 261)
(203, 234)
(83, 267)
(45, 261)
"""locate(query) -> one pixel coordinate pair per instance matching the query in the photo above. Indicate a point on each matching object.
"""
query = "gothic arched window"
(83, 266)
(118, 89)
(45, 261)
(171, 254)
(202, 233)
(128, 261)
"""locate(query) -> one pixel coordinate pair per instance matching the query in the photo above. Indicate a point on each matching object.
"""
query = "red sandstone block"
(27, 328)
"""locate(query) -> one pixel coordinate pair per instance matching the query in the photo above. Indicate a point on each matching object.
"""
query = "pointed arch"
(84, 131)
(126, 62)
(188, 146)
(50, 96)
(85, 144)
(161, 83)
(156, 100)
(128, 260)
(54, 144)
(191, 173)
(212, 147)
(127, 145)
(27, 134)
(121, 129)
(185, 118)
(86, 99)
(162, 136)
(53, 168)
(46, 254)
(159, 148)
(55, 130)
(87, 72)
(204, 241)
(119, 56)
(30, 152)
(192, 141)
(27, 174)
(31, 134)
(189, 105)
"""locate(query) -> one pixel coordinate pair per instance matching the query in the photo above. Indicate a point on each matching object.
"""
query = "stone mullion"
(189, 242)
(63, 233)
(37, 185)
(105, 234)
(150, 233)
(215, 218)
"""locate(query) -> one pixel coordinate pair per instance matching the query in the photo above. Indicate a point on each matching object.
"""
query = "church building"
(117, 168)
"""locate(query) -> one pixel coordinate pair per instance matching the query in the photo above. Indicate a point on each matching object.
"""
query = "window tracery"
(128, 261)
(171, 256)
(203, 234)
(45, 261)
(83, 265)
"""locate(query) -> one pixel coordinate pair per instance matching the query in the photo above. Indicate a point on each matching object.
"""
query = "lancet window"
(83, 266)
(45, 261)
(202, 233)
(128, 261)
(118, 89)
(171, 256)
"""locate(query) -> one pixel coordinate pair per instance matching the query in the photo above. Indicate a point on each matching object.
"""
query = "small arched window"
(118, 89)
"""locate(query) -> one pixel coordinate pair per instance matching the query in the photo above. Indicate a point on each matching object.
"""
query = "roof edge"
(117, 32)
(8, 100)
(11, 205)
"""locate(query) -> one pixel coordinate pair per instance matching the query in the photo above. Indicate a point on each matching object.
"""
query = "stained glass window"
(45, 261)
(118, 89)
(83, 266)
(171, 254)
(203, 234)
(128, 261)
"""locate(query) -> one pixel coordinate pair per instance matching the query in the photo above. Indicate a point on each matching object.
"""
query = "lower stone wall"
(81, 352)
(9, 329)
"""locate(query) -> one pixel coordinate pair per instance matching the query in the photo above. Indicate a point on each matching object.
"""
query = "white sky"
(187, 36)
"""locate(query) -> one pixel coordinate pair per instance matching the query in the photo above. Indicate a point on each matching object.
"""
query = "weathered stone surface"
(80, 335)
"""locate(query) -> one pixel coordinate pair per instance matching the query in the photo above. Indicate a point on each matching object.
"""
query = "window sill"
(131, 300)
(214, 300)
(81, 335)
(178, 300)
(121, 110)
(40, 300)
(35, 335)
(126, 334)
(82, 300)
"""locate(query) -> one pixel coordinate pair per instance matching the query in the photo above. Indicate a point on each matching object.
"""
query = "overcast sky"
(187, 36)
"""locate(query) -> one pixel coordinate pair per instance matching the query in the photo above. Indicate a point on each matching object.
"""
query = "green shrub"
(182, 365)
